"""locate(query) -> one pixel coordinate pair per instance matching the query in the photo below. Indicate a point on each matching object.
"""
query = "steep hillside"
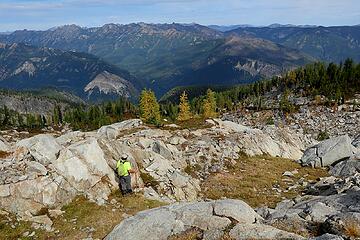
(40, 102)
(26, 67)
(243, 60)
(325, 43)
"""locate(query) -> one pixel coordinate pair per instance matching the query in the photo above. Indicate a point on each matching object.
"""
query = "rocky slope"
(26, 67)
(48, 171)
(44, 171)
(40, 102)
(331, 207)
(239, 60)
(312, 118)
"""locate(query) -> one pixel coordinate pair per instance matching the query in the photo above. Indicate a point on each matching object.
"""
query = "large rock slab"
(236, 209)
(260, 231)
(44, 148)
(113, 131)
(346, 168)
(200, 215)
(232, 126)
(84, 166)
(161, 223)
(328, 152)
(152, 224)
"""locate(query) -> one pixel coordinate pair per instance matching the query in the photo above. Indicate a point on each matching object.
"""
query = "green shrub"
(149, 181)
(323, 135)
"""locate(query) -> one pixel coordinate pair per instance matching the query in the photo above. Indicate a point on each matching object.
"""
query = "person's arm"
(131, 170)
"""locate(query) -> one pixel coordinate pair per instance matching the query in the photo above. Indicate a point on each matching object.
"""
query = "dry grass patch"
(352, 228)
(191, 234)
(4, 154)
(11, 229)
(259, 180)
(296, 227)
(195, 234)
(194, 123)
(83, 219)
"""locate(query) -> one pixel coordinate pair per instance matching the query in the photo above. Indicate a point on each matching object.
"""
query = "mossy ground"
(259, 181)
(82, 219)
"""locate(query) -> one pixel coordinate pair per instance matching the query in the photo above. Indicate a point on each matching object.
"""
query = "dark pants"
(125, 184)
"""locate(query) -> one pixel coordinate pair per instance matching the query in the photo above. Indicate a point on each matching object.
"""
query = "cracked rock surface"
(220, 217)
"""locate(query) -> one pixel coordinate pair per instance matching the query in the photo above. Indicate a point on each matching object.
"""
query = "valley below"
(238, 177)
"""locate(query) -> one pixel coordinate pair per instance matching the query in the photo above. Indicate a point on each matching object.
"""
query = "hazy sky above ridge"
(37, 14)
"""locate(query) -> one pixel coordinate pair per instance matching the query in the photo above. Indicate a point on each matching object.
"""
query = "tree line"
(151, 111)
(336, 82)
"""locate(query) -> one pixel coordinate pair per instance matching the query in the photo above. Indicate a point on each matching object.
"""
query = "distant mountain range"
(164, 56)
(330, 44)
(24, 67)
(226, 28)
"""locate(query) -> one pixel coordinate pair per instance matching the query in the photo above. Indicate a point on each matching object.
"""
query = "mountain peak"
(67, 27)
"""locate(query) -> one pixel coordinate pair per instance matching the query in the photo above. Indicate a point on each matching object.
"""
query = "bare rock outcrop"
(235, 217)
(331, 205)
(328, 152)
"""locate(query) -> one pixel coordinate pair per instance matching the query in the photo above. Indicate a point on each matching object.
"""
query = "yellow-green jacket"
(123, 168)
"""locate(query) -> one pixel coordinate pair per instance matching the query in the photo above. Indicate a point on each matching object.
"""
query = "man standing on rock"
(124, 170)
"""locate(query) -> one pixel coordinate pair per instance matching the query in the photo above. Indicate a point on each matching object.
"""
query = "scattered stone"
(43, 221)
(4, 146)
(36, 167)
(55, 213)
(288, 174)
(4, 190)
(356, 142)
(327, 236)
(43, 147)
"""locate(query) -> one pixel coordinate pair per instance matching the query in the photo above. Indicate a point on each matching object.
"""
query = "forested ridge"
(336, 82)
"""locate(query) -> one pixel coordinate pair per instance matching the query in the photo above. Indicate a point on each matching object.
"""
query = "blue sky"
(44, 14)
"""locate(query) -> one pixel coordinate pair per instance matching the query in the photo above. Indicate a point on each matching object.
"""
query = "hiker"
(124, 170)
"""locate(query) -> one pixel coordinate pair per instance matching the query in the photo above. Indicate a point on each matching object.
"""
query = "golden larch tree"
(184, 108)
(209, 105)
(149, 107)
